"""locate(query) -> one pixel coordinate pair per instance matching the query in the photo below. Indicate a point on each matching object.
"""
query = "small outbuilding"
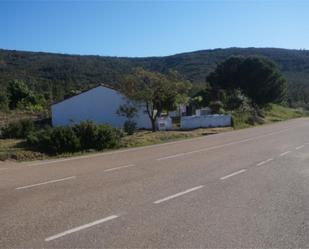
(99, 104)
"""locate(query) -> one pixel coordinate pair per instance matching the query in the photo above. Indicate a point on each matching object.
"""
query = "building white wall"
(192, 122)
(100, 105)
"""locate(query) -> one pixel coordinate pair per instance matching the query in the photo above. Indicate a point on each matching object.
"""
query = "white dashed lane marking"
(76, 229)
(264, 162)
(285, 153)
(223, 145)
(178, 194)
(48, 182)
(233, 174)
(299, 147)
(120, 167)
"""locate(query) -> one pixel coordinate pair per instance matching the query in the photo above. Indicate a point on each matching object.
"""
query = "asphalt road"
(247, 188)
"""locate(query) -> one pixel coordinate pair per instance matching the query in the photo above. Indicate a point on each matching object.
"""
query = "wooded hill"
(56, 75)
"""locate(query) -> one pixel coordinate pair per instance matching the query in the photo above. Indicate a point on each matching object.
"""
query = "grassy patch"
(17, 150)
(277, 113)
(12, 116)
(143, 138)
(273, 113)
(241, 120)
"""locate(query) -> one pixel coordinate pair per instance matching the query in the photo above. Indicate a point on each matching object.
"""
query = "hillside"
(56, 74)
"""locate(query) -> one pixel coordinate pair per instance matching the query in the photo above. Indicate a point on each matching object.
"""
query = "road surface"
(246, 188)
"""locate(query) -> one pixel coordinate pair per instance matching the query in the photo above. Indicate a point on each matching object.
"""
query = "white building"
(99, 104)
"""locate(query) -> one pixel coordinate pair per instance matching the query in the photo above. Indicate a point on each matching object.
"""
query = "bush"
(54, 140)
(64, 139)
(18, 129)
(237, 101)
(83, 136)
(107, 137)
(216, 107)
(40, 140)
(87, 133)
(129, 127)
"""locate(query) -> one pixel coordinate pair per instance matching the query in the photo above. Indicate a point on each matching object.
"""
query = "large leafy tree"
(17, 91)
(21, 97)
(257, 77)
(158, 92)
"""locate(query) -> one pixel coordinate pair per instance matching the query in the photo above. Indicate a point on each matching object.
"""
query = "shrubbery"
(216, 107)
(40, 139)
(18, 129)
(99, 137)
(107, 137)
(87, 133)
(84, 136)
(64, 139)
(129, 127)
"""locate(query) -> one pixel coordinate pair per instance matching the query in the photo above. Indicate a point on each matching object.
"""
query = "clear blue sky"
(156, 28)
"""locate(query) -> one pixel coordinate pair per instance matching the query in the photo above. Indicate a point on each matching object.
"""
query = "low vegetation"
(22, 139)
(20, 150)
(271, 113)
(16, 149)
(18, 129)
(143, 138)
(275, 113)
(69, 139)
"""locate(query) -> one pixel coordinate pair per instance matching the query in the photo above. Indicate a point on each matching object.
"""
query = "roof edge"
(89, 89)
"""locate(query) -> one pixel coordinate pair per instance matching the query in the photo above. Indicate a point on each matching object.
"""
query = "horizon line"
(150, 56)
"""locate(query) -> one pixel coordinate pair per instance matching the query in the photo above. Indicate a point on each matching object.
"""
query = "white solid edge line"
(233, 174)
(285, 153)
(153, 146)
(48, 182)
(299, 147)
(264, 162)
(76, 229)
(120, 167)
(178, 194)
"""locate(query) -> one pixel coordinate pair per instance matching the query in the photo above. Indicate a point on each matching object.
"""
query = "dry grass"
(16, 149)
(142, 138)
(8, 117)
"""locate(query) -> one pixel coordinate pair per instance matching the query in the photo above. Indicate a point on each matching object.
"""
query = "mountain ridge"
(58, 73)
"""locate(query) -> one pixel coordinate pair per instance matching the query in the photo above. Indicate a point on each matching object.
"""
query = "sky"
(151, 28)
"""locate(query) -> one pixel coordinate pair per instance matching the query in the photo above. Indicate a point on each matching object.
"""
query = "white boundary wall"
(216, 120)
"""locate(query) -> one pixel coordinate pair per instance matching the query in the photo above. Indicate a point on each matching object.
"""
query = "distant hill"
(57, 74)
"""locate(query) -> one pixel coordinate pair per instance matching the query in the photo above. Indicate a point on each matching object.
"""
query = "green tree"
(21, 97)
(257, 77)
(17, 91)
(157, 91)
(129, 111)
